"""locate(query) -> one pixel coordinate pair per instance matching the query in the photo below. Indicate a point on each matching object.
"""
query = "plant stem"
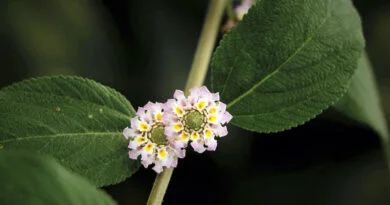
(195, 78)
(159, 187)
(206, 44)
(230, 11)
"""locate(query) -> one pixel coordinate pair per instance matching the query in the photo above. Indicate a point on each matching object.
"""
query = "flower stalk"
(195, 79)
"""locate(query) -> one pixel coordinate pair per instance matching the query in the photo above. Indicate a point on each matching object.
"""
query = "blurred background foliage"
(144, 49)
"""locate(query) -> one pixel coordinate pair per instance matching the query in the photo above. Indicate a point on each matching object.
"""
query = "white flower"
(200, 118)
(147, 139)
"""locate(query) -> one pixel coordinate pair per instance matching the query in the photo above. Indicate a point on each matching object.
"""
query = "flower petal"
(146, 161)
(198, 146)
(133, 154)
(211, 144)
(158, 168)
(225, 117)
(219, 130)
(127, 132)
(133, 145)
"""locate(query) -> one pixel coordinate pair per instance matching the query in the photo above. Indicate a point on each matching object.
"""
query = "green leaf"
(287, 61)
(32, 179)
(362, 102)
(76, 120)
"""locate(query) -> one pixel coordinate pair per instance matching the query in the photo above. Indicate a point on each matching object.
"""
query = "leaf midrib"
(60, 135)
(249, 91)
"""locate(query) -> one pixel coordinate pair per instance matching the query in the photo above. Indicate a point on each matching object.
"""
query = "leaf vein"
(60, 135)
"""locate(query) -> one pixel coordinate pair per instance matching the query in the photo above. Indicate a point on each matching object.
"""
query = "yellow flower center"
(201, 104)
(184, 136)
(141, 140)
(149, 148)
(208, 133)
(159, 117)
(212, 118)
(178, 127)
(143, 126)
(179, 111)
(194, 136)
(162, 153)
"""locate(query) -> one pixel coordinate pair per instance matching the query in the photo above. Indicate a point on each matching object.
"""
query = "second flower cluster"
(160, 133)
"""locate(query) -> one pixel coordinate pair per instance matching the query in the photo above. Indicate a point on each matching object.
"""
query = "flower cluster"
(198, 118)
(147, 139)
(160, 133)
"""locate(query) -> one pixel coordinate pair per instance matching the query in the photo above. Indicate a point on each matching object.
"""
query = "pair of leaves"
(78, 121)
(281, 66)
(26, 179)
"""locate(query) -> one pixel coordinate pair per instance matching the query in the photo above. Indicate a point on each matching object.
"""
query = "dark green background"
(144, 50)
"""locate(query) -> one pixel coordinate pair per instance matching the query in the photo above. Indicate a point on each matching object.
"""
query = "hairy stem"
(206, 44)
(159, 187)
(195, 78)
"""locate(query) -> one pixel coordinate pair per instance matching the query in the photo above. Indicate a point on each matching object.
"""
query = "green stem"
(206, 44)
(195, 78)
(159, 187)
(230, 11)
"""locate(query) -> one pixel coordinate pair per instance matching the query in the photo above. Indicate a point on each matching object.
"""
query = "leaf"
(76, 120)
(287, 61)
(32, 179)
(362, 102)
